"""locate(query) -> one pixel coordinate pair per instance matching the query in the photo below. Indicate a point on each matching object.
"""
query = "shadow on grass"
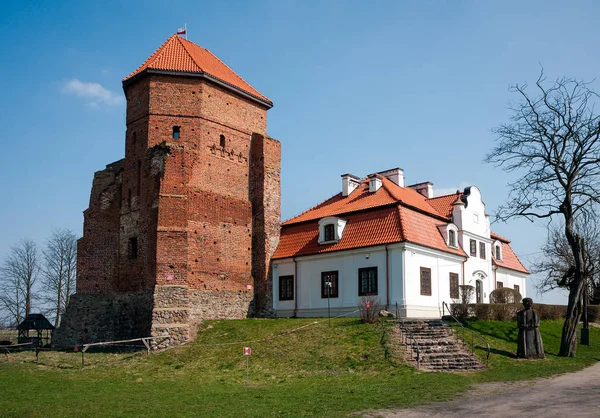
(503, 353)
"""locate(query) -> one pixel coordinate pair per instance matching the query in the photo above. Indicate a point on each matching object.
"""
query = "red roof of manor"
(443, 204)
(391, 214)
(361, 199)
(509, 258)
(180, 55)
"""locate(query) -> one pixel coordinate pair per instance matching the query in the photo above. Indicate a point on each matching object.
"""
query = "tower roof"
(181, 57)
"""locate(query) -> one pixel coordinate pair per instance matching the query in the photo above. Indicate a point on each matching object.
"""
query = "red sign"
(170, 277)
(247, 351)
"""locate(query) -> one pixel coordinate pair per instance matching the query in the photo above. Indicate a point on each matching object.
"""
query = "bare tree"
(557, 259)
(58, 280)
(19, 273)
(552, 142)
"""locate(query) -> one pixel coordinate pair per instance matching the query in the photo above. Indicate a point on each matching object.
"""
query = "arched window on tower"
(175, 132)
(222, 141)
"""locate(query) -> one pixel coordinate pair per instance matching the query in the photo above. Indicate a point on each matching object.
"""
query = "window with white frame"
(331, 229)
(451, 233)
(498, 250)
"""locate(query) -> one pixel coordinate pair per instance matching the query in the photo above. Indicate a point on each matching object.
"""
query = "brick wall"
(192, 218)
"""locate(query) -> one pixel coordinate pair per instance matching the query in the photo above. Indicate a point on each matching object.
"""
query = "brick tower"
(183, 228)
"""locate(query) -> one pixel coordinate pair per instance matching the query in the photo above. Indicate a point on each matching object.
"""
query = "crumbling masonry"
(183, 228)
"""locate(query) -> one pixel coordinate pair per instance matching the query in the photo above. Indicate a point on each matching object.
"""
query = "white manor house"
(378, 237)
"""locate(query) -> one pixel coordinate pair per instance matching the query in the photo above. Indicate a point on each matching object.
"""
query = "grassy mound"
(297, 368)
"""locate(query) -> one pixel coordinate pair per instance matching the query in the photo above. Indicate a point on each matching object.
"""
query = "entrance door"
(478, 292)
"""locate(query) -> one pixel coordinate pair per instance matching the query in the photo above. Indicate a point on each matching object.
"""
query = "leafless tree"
(58, 278)
(557, 259)
(552, 142)
(19, 273)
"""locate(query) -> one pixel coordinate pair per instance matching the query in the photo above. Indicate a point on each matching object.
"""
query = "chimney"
(426, 189)
(374, 183)
(349, 183)
(395, 175)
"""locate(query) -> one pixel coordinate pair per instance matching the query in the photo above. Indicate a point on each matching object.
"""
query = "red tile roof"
(180, 55)
(509, 259)
(422, 229)
(302, 238)
(443, 204)
(361, 199)
(391, 214)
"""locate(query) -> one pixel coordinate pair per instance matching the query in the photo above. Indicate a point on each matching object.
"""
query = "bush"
(369, 309)
(550, 311)
(508, 311)
(505, 295)
(460, 308)
(497, 311)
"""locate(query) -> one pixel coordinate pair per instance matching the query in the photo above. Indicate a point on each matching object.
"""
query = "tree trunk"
(568, 342)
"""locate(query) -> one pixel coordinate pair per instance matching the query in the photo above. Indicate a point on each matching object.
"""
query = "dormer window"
(331, 229)
(451, 236)
(329, 232)
(498, 250)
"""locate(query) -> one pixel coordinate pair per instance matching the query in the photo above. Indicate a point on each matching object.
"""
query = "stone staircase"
(438, 348)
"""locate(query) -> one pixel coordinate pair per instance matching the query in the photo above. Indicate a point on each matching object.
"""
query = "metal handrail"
(403, 329)
(473, 333)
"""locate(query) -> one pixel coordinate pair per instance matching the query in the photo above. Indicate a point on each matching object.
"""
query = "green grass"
(314, 371)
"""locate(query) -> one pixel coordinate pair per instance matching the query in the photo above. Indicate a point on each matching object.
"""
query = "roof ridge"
(230, 69)
(401, 221)
(152, 57)
(314, 207)
(190, 55)
(431, 211)
(445, 195)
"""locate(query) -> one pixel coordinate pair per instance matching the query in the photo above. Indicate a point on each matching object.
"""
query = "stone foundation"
(93, 318)
(173, 311)
(178, 310)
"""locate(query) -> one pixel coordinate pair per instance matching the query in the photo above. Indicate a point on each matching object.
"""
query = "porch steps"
(438, 348)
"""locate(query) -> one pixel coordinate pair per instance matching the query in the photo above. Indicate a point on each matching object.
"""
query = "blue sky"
(358, 87)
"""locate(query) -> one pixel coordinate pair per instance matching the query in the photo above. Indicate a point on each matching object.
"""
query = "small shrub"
(369, 309)
(550, 311)
(505, 295)
(496, 311)
(460, 308)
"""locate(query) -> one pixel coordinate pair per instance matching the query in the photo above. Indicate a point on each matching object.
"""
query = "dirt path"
(569, 395)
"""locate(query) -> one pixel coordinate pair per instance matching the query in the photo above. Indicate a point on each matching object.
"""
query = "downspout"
(387, 279)
(295, 287)
(438, 284)
(404, 279)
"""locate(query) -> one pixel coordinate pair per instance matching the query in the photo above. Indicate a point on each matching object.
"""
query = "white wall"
(510, 278)
(404, 260)
(346, 263)
(441, 265)
(474, 224)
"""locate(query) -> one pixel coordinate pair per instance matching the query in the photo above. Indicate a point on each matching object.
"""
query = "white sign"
(247, 351)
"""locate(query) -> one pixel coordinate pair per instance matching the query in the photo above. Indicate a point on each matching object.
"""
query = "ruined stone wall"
(97, 259)
(265, 192)
(108, 317)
